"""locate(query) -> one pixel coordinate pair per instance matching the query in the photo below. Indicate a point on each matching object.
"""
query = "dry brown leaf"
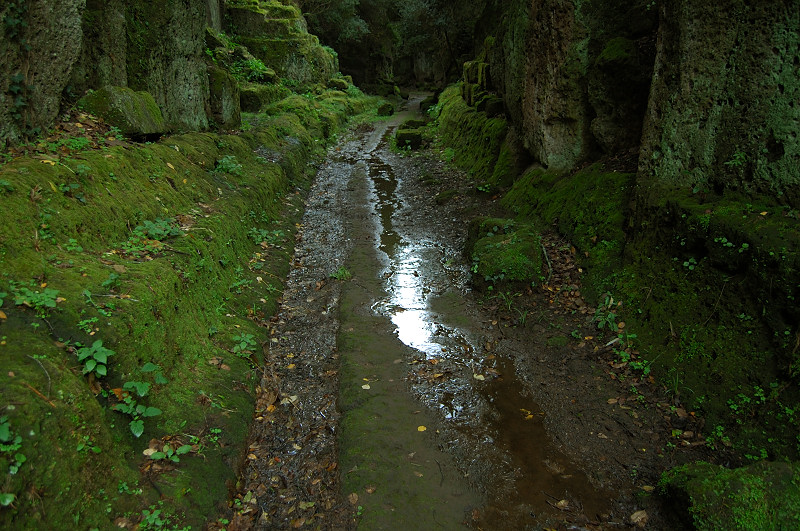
(352, 498)
(639, 519)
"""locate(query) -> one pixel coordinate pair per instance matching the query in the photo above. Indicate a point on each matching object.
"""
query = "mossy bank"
(134, 282)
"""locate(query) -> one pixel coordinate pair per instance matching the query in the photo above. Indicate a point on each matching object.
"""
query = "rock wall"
(574, 74)
(39, 42)
(724, 109)
(165, 57)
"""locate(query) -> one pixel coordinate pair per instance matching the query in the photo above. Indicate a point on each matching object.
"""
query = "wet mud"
(395, 397)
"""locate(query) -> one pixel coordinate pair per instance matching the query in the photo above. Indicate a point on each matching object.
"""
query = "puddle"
(542, 477)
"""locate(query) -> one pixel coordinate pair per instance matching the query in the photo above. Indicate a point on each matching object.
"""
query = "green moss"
(134, 113)
(760, 497)
(617, 49)
(504, 251)
(176, 303)
(589, 207)
(479, 141)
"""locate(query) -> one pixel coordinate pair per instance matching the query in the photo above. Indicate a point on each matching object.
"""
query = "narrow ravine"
(390, 397)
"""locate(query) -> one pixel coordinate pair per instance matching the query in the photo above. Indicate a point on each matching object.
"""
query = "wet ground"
(396, 397)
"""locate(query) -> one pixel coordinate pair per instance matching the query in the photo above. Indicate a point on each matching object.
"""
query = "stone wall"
(39, 42)
(574, 74)
(724, 111)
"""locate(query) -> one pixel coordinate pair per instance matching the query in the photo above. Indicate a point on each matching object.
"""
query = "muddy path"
(394, 396)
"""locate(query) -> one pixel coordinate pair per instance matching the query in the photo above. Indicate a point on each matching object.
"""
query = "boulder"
(765, 495)
(385, 109)
(254, 97)
(411, 138)
(136, 114)
(338, 84)
(223, 98)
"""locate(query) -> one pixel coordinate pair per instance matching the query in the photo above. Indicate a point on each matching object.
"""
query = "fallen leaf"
(353, 498)
(612, 400)
(252, 457)
(170, 166)
(421, 428)
(418, 474)
(648, 488)
(365, 387)
(479, 377)
(370, 489)
(562, 504)
(639, 519)
(3, 315)
(291, 366)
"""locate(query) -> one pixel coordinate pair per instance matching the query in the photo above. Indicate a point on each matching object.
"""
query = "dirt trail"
(390, 397)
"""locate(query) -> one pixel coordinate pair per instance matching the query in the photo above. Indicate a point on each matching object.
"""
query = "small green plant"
(251, 70)
(131, 407)
(41, 301)
(95, 358)
(158, 376)
(87, 325)
(168, 454)
(86, 445)
(737, 159)
(723, 241)
(9, 444)
(72, 190)
(147, 237)
(690, 264)
(604, 316)
(264, 236)
(342, 274)
(5, 187)
(103, 309)
(112, 282)
(228, 164)
(73, 246)
(244, 345)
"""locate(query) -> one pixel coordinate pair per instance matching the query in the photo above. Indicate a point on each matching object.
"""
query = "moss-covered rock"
(408, 138)
(39, 43)
(165, 57)
(255, 97)
(224, 98)
(338, 83)
(136, 114)
(759, 497)
(481, 143)
(504, 251)
(385, 109)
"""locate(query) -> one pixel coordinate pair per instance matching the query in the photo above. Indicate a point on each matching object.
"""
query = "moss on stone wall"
(760, 497)
(479, 141)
